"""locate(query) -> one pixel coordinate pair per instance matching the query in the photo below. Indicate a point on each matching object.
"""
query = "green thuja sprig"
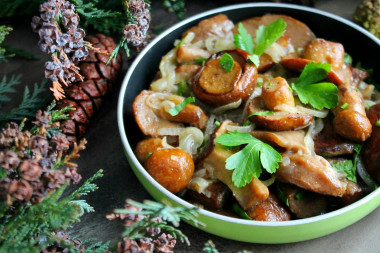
(29, 228)
(30, 103)
(151, 210)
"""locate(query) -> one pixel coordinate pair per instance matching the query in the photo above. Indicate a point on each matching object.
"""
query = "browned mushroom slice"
(299, 33)
(214, 85)
(151, 119)
(298, 64)
(276, 121)
(247, 196)
(269, 210)
(358, 75)
(310, 172)
(320, 50)
(352, 194)
(216, 196)
(186, 71)
(350, 119)
(216, 26)
(188, 54)
(191, 114)
(329, 143)
(277, 92)
(146, 147)
(302, 203)
(285, 141)
(371, 150)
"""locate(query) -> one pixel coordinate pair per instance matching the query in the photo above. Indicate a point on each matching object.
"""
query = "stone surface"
(105, 151)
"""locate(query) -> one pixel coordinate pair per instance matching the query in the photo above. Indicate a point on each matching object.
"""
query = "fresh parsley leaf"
(261, 113)
(318, 95)
(179, 107)
(255, 59)
(247, 163)
(378, 123)
(347, 167)
(226, 62)
(267, 35)
(243, 40)
(347, 59)
(182, 88)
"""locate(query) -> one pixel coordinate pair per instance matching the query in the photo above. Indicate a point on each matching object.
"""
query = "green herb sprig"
(249, 161)
(265, 37)
(311, 91)
(179, 107)
(226, 62)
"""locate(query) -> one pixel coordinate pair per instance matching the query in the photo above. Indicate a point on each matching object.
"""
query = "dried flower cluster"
(66, 47)
(136, 32)
(64, 238)
(162, 242)
(35, 163)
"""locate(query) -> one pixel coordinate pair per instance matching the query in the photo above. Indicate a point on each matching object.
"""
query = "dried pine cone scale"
(87, 96)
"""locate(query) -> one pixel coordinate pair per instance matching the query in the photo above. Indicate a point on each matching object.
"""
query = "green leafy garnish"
(179, 107)
(182, 88)
(347, 167)
(318, 95)
(247, 162)
(378, 123)
(265, 37)
(300, 195)
(261, 113)
(281, 195)
(243, 40)
(344, 106)
(226, 62)
(347, 59)
(240, 211)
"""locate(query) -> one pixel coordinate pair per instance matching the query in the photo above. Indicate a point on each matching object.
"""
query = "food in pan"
(261, 119)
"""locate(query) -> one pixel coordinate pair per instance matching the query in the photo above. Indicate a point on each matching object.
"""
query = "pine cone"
(87, 96)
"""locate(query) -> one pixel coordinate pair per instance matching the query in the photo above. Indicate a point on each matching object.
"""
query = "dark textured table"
(105, 151)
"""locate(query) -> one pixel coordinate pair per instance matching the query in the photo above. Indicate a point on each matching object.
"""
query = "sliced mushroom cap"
(329, 143)
(151, 117)
(299, 33)
(214, 85)
(371, 150)
(188, 54)
(310, 172)
(217, 26)
(247, 196)
(146, 147)
(285, 141)
(269, 210)
(277, 121)
(320, 50)
(302, 203)
(186, 71)
(216, 196)
(277, 92)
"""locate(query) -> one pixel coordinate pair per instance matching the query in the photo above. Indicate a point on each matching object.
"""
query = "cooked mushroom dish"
(261, 120)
